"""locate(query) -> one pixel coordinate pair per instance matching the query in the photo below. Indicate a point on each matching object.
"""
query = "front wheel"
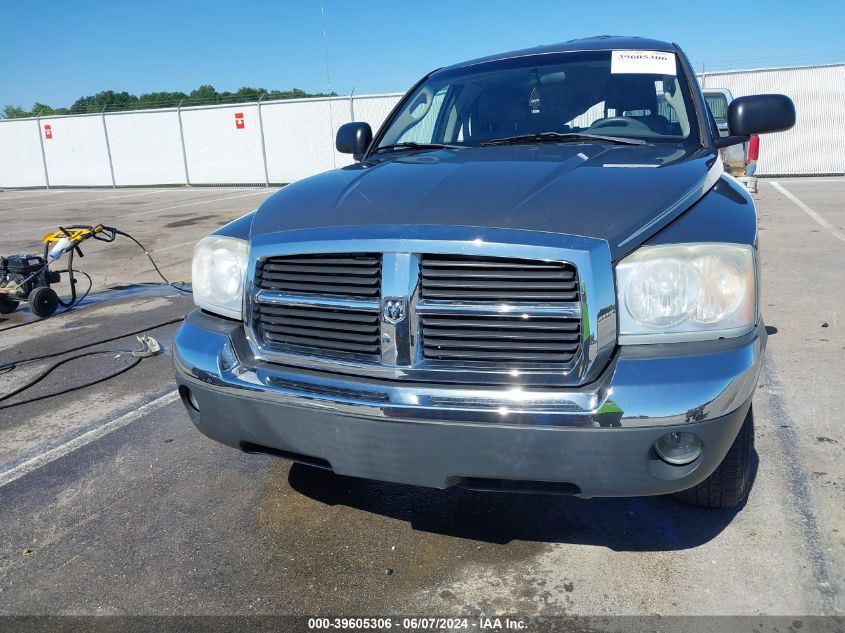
(7, 306)
(43, 301)
(730, 482)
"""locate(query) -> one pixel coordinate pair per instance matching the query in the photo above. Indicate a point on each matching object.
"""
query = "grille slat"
(538, 346)
(505, 273)
(271, 323)
(282, 278)
(322, 343)
(496, 335)
(340, 332)
(501, 326)
(322, 269)
(324, 289)
(363, 338)
(498, 356)
(497, 295)
(309, 313)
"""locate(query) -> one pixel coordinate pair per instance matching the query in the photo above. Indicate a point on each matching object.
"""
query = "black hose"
(11, 365)
(55, 366)
(152, 261)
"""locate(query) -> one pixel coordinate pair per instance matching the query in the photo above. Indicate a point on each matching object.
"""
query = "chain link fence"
(278, 142)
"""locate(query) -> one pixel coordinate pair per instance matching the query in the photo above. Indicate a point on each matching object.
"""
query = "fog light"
(678, 448)
(192, 399)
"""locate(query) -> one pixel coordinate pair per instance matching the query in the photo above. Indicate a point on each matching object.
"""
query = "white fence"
(253, 143)
(816, 145)
(279, 142)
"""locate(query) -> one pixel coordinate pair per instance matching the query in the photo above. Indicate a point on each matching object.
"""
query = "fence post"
(352, 104)
(182, 140)
(43, 155)
(263, 148)
(108, 146)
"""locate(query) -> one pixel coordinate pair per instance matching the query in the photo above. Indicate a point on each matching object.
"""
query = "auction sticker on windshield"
(642, 62)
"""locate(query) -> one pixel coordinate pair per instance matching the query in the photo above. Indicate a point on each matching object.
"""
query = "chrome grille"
(501, 339)
(497, 279)
(407, 309)
(314, 330)
(354, 275)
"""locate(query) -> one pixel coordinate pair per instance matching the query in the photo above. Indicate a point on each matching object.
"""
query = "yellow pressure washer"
(28, 277)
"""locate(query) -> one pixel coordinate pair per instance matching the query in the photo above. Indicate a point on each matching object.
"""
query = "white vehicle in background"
(735, 157)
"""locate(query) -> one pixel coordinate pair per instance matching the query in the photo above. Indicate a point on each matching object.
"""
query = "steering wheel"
(623, 121)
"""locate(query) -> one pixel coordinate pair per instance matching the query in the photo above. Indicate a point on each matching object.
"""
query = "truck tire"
(730, 482)
(7, 306)
(43, 301)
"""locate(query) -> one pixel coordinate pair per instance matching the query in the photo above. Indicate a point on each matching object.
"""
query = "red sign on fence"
(239, 120)
(48, 131)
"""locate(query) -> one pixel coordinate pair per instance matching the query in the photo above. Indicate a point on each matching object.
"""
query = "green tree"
(14, 112)
(109, 100)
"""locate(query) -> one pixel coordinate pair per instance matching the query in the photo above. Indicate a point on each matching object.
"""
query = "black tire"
(43, 301)
(7, 306)
(730, 482)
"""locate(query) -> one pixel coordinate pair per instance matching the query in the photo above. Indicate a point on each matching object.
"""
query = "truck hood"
(622, 194)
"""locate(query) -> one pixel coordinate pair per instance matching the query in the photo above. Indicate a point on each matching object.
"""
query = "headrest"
(632, 92)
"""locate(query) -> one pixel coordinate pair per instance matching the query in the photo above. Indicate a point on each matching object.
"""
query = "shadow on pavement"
(633, 524)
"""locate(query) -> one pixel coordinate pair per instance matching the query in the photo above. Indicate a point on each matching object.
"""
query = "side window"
(425, 116)
(718, 105)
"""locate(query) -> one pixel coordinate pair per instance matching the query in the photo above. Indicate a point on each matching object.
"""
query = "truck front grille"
(452, 318)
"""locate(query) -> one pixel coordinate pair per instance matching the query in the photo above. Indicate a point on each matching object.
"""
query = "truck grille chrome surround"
(450, 305)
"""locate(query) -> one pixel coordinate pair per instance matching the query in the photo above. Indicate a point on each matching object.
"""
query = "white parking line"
(58, 204)
(811, 181)
(190, 204)
(175, 246)
(810, 212)
(29, 194)
(60, 451)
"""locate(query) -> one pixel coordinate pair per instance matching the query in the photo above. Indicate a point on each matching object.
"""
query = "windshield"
(622, 94)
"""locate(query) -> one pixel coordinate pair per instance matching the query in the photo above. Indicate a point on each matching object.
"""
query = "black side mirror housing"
(757, 114)
(354, 138)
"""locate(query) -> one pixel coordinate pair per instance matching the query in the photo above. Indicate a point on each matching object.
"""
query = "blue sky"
(55, 51)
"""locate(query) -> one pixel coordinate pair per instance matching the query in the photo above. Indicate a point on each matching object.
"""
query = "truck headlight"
(686, 292)
(218, 275)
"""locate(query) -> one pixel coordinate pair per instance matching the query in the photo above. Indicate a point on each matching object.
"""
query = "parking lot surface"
(112, 503)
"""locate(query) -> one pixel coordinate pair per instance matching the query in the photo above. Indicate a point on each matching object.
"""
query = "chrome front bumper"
(597, 437)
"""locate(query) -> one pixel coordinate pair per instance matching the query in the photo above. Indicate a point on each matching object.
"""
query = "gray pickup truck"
(734, 157)
(535, 277)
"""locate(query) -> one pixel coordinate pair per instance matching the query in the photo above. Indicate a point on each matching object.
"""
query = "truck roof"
(596, 43)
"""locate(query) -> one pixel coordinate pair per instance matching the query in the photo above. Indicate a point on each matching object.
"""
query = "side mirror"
(758, 114)
(354, 138)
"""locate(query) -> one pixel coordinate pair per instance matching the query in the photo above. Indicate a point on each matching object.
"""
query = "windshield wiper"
(412, 145)
(558, 137)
